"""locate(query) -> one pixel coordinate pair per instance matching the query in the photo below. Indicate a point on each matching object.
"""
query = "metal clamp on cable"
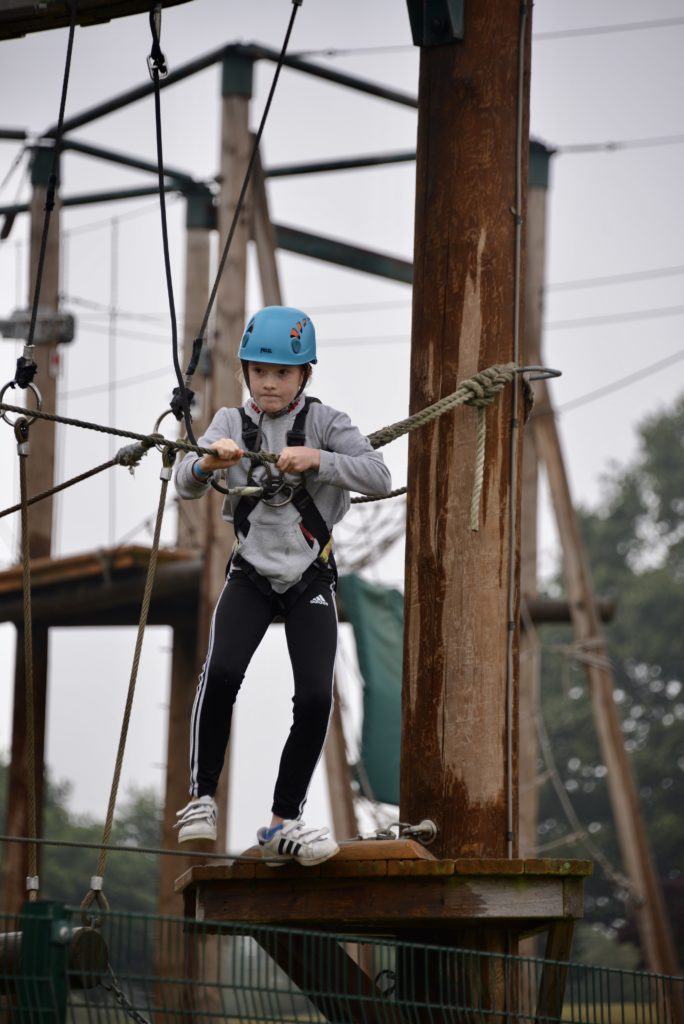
(156, 62)
(32, 883)
(26, 368)
(168, 459)
(181, 399)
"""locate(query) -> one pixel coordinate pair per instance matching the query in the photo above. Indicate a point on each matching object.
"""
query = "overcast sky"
(614, 251)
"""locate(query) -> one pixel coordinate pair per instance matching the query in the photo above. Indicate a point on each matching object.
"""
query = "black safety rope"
(95, 893)
(182, 395)
(156, 63)
(21, 433)
(26, 367)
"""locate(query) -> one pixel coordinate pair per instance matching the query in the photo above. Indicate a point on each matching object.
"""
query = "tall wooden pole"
(530, 667)
(224, 386)
(264, 239)
(458, 766)
(649, 907)
(186, 657)
(39, 477)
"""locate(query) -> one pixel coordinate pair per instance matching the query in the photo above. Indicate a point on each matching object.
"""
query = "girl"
(282, 565)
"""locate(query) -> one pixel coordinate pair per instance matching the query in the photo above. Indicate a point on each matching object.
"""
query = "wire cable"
(623, 382)
(568, 33)
(614, 318)
(610, 147)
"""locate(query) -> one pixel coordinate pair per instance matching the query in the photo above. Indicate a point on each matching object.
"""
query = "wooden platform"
(394, 888)
(104, 588)
(19, 17)
(388, 886)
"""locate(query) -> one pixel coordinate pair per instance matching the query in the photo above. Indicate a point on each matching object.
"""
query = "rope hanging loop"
(21, 432)
(36, 393)
(168, 459)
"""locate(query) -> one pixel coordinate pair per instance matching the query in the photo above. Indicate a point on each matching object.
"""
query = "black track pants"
(243, 614)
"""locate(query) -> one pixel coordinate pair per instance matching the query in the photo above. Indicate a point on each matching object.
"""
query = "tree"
(131, 879)
(635, 542)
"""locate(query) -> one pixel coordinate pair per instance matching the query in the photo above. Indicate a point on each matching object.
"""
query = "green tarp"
(376, 614)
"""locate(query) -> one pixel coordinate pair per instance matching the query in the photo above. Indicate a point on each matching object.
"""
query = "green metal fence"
(55, 969)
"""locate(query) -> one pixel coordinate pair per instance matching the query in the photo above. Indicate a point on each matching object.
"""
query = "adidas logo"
(318, 599)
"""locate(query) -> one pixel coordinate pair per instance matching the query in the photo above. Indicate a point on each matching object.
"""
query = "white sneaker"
(197, 820)
(298, 841)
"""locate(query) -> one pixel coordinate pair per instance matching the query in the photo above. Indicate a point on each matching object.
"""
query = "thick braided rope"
(362, 499)
(150, 439)
(478, 475)
(480, 390)
(98, 895)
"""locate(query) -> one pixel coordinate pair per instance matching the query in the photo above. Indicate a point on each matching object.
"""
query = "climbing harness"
(276, 490)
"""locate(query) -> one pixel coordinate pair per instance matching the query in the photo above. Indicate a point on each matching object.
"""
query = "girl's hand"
(227, 454)
(298, 460)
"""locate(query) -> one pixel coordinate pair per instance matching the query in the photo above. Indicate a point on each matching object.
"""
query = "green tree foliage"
(131, 879)
(635, 542)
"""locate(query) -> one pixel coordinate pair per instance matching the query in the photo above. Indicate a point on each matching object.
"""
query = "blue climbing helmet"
(279, 334)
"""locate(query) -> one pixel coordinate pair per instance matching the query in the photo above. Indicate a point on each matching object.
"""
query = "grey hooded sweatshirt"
(275, 545)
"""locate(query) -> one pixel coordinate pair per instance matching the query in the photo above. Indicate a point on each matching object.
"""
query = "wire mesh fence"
(55, 968)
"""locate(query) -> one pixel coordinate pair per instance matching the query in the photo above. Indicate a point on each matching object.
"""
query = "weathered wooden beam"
(310, 960)
(550, 609)
(114, 600)
(379, 892)
(21, 17)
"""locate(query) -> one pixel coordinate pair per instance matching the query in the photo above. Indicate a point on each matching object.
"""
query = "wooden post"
(264, 239)
(186, 657)
(224, 386)
(649, 907)
(39, 477)
(530, 666)
(345, 823)
(455, 715)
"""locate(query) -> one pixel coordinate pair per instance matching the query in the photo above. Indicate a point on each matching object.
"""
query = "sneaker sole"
(317, 860)
(210, 836)
(309, 863)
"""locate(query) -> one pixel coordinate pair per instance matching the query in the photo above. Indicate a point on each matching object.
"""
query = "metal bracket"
(50, 326)
(436, 22)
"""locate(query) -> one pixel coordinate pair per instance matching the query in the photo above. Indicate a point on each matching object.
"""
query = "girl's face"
(273, 385)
